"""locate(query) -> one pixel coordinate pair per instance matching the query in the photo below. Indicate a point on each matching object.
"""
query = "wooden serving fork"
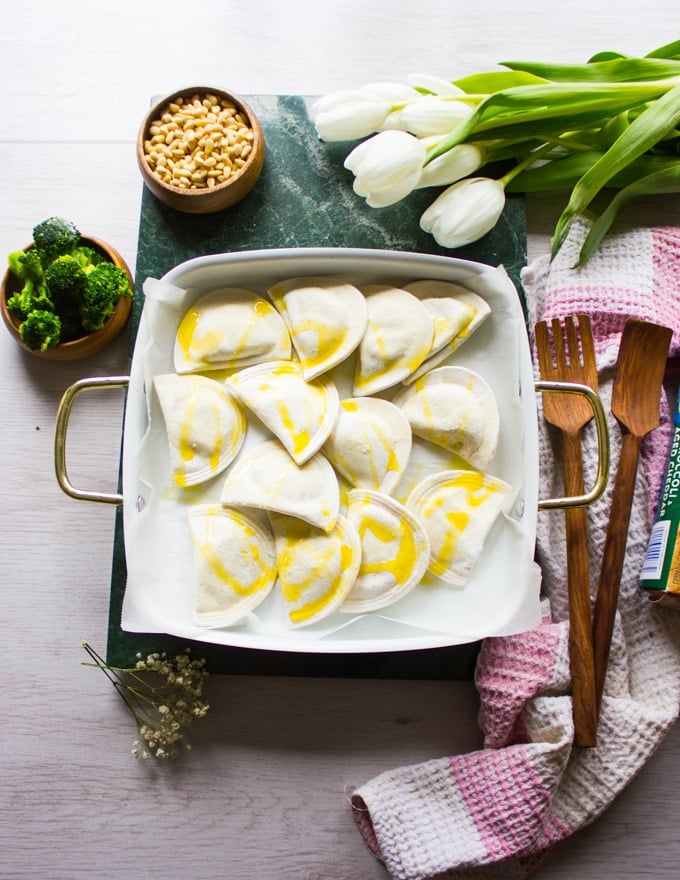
(571, 413)
(636, 396)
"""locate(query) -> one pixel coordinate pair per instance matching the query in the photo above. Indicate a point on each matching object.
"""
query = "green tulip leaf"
(564, 173)
(618, 69)
(659, 183)
(641, 135)
(496, 81)
(670, 50)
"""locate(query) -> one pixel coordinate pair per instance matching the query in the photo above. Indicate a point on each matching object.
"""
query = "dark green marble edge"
(302, 199)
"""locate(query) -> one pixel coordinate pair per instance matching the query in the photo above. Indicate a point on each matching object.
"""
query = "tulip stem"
(533, 156)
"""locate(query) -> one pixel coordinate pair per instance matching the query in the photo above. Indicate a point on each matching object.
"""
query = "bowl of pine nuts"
(200, 149)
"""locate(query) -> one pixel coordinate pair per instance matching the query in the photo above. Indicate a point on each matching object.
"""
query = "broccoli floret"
(41, 330)
(87, 257)
(55, 237)
(32, 296)
(27, 268)
(26, 265)
(65, 280)
(104, 287)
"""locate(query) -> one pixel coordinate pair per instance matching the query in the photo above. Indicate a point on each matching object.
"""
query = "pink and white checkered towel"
(496, 812)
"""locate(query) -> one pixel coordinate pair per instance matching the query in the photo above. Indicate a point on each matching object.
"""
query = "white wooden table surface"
(264, 791)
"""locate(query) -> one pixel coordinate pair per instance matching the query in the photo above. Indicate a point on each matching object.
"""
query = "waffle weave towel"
(497, 812)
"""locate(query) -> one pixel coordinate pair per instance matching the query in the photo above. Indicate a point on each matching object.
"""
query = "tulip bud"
(464, 212)
(435, 84)
(431, 115)
(352, 114)
(453, 165)
(387, 167)
(347, 115)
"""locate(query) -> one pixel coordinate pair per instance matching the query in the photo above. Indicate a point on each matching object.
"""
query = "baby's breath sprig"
(163, 694)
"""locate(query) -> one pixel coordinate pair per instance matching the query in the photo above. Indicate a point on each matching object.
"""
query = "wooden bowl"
(203, 199)
(75, 349)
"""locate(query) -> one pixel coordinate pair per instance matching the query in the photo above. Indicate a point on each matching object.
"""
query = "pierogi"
(316, 569)
(456, 311)
(370, 443)
(300, 413)
(306, 507)
(204, 423)
(266, 477)
(234, 559)
(456, 409)
(395, 551)
(229, 328)
(326, 318)
(457, 509)
(397, 340)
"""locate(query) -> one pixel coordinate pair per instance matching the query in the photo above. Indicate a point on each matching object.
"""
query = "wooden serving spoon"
(636, 395)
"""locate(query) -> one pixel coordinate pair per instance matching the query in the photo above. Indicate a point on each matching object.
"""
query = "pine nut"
(198, 142)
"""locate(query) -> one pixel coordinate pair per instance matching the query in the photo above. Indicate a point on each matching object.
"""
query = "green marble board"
(303, 198)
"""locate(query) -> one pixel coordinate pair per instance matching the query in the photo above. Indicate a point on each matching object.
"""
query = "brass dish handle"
(61, 428)
(71, 393)
(602, 475)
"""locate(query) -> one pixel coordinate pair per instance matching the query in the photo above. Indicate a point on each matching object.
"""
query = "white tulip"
(434, 84)
(431, 115)
(390, 92)
(352, 114)
(386, 167)
(455, 164)
(464, 212)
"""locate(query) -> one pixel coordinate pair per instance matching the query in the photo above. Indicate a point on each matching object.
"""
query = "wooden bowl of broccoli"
(66, 295)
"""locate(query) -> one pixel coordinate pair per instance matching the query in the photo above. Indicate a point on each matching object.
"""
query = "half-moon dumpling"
(234, 561)
(456, 409)
(316, 569)
(457, 509)
(268, 478)
(397, 340)
(204, 424)
(370, 443)
(229, 328)
(300, 413)
(456, 311)
(395, 551)
(326, 318)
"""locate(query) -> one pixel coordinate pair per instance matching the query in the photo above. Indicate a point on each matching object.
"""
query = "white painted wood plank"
(263, 793)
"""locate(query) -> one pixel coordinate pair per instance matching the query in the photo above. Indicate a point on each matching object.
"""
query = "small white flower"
(158, 711)
(464, 212)
(386, 167)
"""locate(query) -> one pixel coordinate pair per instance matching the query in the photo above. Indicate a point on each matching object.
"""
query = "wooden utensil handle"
(584, 702)
(613, 556)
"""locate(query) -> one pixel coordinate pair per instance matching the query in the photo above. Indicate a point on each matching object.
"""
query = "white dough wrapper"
(204, 423)
(457, 509)
(325, 316)
(234, 560)
(266, 477)
(370, 443)
(397, 340)
(395, 551)
(316, 569)
(455, 408)
(229, 328)
(300, 413)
